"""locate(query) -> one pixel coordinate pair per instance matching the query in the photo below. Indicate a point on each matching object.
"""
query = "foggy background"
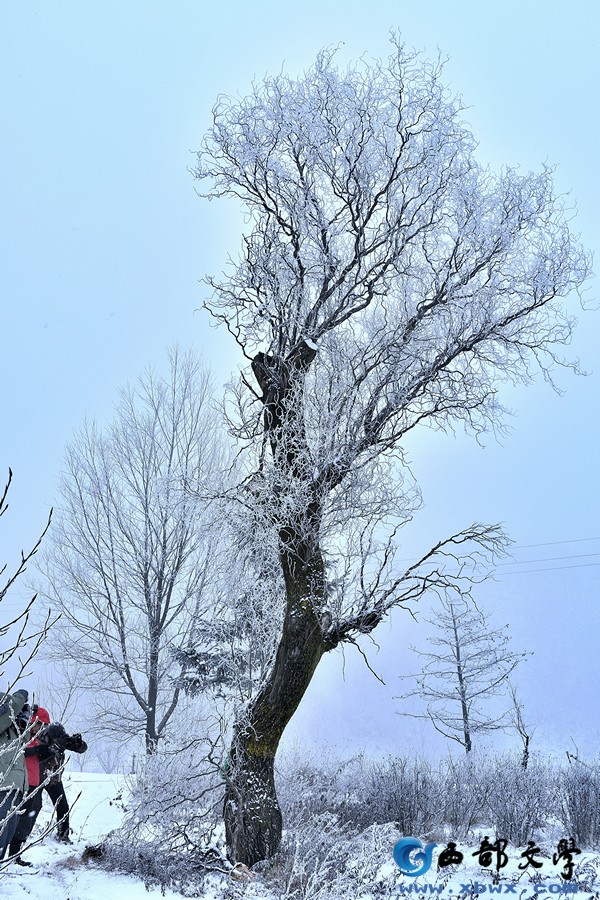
(104, 244)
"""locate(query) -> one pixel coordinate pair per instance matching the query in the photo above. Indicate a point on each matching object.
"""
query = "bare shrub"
(313, 858)
(171, 833)
(580, 801)
(465, 790)
(520, 800)
(343, 815)
(406, 792)
(363, 792)
(335, 786)
(326, 859)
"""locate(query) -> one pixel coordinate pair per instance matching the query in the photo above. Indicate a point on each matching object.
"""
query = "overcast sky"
(104, 243)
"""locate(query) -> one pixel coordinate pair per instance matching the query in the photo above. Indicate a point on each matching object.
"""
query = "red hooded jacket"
(32, 750)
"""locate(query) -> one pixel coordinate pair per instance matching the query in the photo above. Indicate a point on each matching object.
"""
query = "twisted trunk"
(252, 815)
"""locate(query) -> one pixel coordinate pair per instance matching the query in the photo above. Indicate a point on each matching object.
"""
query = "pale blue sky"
(103, 244)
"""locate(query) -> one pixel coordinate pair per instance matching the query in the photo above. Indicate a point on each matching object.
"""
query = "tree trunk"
(152, 696)
(252, 815)
(461, 687)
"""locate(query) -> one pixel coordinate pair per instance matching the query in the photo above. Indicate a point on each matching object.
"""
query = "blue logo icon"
(409, 862)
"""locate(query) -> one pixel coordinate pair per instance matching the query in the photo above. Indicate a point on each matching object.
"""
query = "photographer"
(45, 757)
(58, 741)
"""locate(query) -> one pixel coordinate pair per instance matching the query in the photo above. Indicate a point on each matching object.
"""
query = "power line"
(523, 562)
(554, 543)
(549, 569)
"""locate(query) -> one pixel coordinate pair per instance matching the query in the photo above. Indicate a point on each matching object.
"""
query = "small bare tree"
(129, 566)
(470, 666)
(517, 721)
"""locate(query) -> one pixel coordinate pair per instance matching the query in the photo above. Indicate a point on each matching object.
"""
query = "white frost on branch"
(423, 278)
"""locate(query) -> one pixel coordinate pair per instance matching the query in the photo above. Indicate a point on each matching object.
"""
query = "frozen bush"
(172, 833)
(342, 818)
(361, 792)
(305, 789)
(519, 800)
(326, 859)
(314, 858)
(406, 792)
(580, 802)
(465, 789)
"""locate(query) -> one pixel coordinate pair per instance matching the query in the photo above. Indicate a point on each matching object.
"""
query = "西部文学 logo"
(412, 856)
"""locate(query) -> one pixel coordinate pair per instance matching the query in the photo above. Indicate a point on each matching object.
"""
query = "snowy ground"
(58, 872)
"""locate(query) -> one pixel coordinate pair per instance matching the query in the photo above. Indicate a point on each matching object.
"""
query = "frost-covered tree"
(386, 280)
(468, 666)
(130, 562)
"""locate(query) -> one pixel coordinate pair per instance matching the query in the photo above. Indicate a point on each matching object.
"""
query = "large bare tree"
(386, 280)
(129, 562)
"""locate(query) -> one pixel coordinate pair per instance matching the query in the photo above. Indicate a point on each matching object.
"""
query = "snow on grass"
(361, 869)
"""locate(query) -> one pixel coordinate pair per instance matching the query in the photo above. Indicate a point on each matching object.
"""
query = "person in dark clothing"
(58, 741)
(37, 756)
(45, 758)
